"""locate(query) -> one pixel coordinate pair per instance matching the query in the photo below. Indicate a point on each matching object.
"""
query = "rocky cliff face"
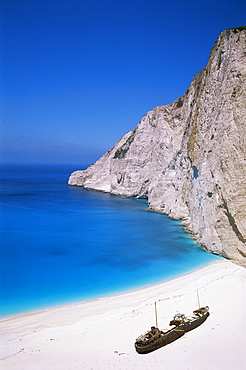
(189, 158)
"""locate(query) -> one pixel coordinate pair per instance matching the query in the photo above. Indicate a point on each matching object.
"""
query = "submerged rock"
(188, 158)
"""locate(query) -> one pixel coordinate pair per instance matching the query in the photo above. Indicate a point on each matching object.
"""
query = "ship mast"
(156, 321)
(198, 299)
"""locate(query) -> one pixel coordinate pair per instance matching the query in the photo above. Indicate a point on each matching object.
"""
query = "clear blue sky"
(79, 74)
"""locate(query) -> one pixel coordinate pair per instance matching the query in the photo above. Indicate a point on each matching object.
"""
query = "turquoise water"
(63, 244)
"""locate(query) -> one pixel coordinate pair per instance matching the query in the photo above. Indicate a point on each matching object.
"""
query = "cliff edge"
(188, 158)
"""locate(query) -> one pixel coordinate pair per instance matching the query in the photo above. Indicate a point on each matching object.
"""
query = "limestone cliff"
(189, 158)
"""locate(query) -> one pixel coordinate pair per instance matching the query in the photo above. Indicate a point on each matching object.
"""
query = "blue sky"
(79, 74)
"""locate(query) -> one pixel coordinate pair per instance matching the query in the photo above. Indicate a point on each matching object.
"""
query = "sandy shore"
(101, 334)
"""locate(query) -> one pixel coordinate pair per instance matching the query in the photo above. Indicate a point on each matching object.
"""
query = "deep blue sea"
(62, 244)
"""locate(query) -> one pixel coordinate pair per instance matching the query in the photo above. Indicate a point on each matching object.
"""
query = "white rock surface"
(189, 158)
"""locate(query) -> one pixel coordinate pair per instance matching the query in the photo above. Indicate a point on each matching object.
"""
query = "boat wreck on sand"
(156, 338)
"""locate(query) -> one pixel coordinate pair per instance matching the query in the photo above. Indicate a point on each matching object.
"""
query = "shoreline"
(65, 336)
(110, 295)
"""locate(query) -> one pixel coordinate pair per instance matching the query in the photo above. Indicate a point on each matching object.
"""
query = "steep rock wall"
(189, 158)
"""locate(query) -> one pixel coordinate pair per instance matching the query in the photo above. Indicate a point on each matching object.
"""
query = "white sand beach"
(100, 335)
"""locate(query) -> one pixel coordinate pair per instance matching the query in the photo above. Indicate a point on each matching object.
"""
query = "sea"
(63, 244)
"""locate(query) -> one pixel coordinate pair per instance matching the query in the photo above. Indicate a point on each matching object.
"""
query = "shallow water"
(63, 244)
